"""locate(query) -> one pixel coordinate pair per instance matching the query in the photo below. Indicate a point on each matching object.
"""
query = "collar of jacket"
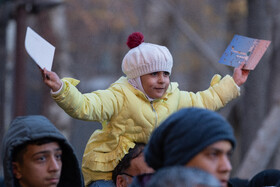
(124, 81)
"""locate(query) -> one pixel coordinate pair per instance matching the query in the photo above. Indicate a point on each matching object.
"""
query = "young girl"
(132, 107)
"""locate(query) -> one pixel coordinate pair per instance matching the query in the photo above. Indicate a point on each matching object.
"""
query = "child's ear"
(120, 181)
(16, 170)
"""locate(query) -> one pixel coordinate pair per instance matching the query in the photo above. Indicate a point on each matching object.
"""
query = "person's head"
(193, 137)
(147, 66)
(35, 153)
(268, 177)
(179, 176)
(38, 163)
(132, 164)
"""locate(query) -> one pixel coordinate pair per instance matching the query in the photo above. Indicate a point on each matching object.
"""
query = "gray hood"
(29, 128)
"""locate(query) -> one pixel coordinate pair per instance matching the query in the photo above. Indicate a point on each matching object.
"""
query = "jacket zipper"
(154, 112)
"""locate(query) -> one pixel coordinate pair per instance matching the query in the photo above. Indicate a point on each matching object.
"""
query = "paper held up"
(244, 49)
(41, 51)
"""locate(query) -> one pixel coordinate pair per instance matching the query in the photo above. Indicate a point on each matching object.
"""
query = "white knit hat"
(144, 58)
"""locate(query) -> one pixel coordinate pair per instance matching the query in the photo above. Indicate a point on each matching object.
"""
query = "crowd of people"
(153, 133)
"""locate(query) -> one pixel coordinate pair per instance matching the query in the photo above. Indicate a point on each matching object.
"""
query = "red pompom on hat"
(135, 39)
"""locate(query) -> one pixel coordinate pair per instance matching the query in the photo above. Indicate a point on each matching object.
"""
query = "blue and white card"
(244, 49)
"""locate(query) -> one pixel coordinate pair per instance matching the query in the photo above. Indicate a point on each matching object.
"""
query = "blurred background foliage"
(90, 38)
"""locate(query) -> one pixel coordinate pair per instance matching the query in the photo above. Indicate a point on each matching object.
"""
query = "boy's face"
(155, 84)
(41, 165)
(215, 160)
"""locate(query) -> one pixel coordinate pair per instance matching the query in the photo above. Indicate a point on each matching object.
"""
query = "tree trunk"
(254, 101)
(54, 21)
(263, 147)
(261, 94)
(3, 57)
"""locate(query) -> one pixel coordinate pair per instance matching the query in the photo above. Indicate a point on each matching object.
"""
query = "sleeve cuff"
(59, 90)
(238, 88)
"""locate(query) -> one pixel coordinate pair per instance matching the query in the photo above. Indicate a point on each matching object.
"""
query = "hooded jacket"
(28, 128)
(127, 116)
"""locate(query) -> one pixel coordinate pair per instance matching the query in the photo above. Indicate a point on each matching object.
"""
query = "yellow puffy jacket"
(127, 116)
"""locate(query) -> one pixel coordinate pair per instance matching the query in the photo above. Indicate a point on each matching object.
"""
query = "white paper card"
(41, 51)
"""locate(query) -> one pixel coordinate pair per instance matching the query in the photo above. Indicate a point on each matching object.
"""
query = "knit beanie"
(184, 134)
(268, 177)
(144, 58)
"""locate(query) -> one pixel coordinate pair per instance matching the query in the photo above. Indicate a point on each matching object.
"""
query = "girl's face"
(155, 84)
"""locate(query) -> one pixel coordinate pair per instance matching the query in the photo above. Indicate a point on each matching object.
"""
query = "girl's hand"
(240, 75)
(51, 79)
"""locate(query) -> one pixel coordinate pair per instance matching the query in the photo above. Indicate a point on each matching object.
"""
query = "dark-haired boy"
(36, 154)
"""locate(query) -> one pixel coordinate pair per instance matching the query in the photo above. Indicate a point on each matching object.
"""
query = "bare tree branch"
(263, 147)
(196, 40)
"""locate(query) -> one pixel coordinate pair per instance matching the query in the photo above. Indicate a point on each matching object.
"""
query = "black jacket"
(29, 128)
